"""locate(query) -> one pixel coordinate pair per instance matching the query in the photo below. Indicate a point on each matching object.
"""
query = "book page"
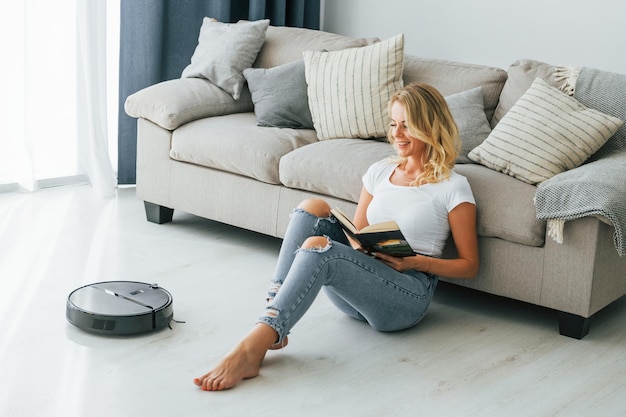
(380, 227)
(372, 228)
(344, 220)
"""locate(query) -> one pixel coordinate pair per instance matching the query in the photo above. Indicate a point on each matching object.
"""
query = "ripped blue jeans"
(359, 285)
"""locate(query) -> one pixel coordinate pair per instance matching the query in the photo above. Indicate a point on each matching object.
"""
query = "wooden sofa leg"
(158, 214)
(571, 325)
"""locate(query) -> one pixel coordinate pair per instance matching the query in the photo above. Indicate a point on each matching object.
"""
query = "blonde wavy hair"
(428, 119)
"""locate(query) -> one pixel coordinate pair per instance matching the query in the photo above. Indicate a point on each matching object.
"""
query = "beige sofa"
(202, 152)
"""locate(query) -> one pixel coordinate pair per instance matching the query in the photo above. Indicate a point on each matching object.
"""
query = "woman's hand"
(392, 261)
(402, 264)
(463, 227)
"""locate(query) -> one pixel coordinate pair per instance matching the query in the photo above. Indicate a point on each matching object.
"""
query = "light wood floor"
(473, 355)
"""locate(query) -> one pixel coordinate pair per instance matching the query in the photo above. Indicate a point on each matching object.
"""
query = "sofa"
(216, 152)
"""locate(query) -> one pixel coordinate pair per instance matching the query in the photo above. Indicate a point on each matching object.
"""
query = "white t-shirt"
(421, 212)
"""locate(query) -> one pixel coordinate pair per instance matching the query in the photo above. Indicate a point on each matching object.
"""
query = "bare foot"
(238, 365)
(241, 363)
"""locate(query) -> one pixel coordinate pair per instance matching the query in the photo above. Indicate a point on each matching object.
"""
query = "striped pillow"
(545, 133)
(349, 89)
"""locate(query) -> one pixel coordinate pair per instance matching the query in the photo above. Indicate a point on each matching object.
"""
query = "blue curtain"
(158, 38)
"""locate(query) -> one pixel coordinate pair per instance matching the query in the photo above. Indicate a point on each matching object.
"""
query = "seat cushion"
(504, 206)
(332, 167)
(234, 143)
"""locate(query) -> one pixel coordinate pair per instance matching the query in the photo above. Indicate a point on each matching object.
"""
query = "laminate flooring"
(473, 355)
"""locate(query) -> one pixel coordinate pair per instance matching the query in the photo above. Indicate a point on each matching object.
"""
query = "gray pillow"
(280, 95)
(468, 111)
(224, 50)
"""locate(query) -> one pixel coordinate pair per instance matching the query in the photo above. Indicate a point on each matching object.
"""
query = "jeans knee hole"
(318, 248)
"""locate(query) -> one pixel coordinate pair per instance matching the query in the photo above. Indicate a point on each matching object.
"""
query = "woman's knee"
(315, 206)
(315, 242)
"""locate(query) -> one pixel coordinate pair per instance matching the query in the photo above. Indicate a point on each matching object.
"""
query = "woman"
(418, 190)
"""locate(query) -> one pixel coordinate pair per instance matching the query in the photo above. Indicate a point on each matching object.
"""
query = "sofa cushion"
(332, 167)
(286, 44)
(235, 143)
(349, 89)
(451, 77)
(522, 73)
(468, 111)
(279, 95)
(173, 103)
(504, 206)
(224, 50)
(545, 133)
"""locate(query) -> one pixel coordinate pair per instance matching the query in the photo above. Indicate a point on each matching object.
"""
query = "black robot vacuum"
(120, 307)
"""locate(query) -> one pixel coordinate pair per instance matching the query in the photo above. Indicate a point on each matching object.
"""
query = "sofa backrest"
(286, 44)
(451, 77)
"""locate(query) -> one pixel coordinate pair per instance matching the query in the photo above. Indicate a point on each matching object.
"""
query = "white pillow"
(349, 89)
(224, 50)
(546, 132)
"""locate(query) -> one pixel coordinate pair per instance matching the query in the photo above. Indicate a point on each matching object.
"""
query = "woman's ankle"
(261, 336)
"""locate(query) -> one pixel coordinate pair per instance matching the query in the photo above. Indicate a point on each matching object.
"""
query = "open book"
(384, 237)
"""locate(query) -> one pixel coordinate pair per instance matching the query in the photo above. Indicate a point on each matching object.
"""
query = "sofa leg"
(571, 325)
(158, 214)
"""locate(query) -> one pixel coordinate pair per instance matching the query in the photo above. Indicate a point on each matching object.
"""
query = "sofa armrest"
(595, 188)
(173, 103)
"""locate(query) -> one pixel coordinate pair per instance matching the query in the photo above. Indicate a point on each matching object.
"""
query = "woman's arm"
(360, 216)
(462, 221)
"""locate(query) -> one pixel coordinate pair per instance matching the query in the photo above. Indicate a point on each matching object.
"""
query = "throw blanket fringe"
(555, 229)
(567, 76)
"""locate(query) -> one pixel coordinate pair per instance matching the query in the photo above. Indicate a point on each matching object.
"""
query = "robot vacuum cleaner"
(120, 307)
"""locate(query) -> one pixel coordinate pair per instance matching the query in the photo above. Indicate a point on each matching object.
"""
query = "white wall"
(492, 32)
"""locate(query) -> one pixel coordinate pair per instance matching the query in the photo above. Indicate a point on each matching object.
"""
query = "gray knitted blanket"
(599, 186)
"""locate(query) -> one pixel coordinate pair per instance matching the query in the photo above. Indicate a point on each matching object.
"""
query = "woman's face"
(405, 144)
